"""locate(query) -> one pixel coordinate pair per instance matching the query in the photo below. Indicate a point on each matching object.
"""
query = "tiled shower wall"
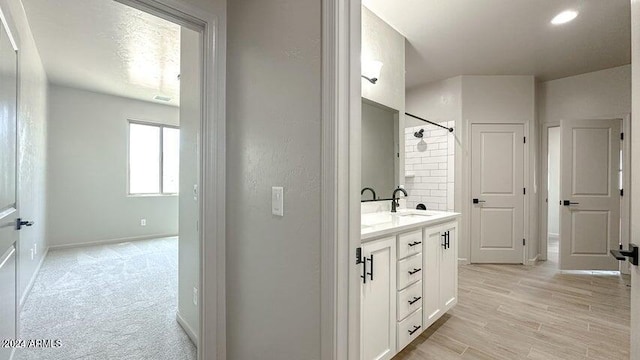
(429, 167)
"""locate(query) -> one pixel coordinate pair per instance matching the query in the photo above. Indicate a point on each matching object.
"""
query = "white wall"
(553, 215)
(273, 139)
(600, 93)
(87, 172)
(32, 158)
(188, 244)
(383, 43)
(437, 101)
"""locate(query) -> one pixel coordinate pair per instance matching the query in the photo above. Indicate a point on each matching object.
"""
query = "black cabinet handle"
(415, 271)
(364, 270)
(444, 240)
(448, 239)
(415, 243)
(415, 328)
(370, 258)
(415, 298)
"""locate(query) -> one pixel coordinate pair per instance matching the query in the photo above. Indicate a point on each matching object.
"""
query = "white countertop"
(378, 224)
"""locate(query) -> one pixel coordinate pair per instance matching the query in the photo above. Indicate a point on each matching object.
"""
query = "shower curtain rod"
(430, 122)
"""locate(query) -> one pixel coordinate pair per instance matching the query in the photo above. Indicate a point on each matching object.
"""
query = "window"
(154, 153)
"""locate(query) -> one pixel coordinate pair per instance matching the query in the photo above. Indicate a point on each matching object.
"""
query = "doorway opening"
(553, 183)
(125, 114)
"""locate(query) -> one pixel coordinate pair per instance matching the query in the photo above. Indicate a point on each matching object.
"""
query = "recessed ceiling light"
(564, 17)
(162, 98)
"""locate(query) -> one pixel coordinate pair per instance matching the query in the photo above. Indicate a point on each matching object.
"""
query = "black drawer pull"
(415, 298)
(415, 243)
(415, 328)
(414, 271)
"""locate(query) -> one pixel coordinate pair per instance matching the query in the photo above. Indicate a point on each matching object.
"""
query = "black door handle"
(477, 201)
(569, 203)
(622, 255)
(20, 223)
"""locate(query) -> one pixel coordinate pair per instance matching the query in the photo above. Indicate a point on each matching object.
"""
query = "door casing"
(625, 209)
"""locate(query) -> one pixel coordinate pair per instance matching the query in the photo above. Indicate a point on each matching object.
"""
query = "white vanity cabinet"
(410, 280)
(440, 290)
(378, 300)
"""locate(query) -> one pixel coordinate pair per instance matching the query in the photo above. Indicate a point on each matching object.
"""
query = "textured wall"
(383, 43)
(273, 139)
(87, 175)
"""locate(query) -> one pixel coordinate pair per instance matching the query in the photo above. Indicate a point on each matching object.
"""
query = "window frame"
(161, 126)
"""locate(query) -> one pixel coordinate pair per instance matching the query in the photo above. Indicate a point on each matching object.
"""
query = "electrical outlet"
(143, 222)
(195, 296)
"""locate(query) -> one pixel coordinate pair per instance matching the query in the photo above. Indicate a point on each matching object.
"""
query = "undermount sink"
(414, 213)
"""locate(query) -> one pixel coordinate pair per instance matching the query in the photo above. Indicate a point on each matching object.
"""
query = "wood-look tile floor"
(536, 312)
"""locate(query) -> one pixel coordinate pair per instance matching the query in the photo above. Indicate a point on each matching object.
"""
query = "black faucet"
(370, 189)
(394, 199)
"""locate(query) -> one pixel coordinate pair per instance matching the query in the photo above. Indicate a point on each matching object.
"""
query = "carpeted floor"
(114, 301)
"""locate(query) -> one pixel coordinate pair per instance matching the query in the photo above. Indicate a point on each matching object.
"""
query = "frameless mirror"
(380, 150)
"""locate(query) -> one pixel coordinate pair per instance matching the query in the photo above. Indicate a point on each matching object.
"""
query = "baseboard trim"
(187, 329)
(111, 241)
(32, 281)
(463, 261)
(533, 261)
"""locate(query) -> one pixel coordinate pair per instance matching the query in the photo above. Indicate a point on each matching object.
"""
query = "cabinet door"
(378, 297)
(431, 255)
(449, 268)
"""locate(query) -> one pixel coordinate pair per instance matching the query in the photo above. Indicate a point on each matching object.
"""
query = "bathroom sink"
(414, 213)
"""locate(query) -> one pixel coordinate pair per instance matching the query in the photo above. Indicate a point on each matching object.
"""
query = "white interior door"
(8, 203)
(497, 186)
(589, 194)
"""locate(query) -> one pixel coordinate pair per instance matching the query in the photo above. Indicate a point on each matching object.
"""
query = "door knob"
(477, 201)
(569, 203)
(622, 255)
(20, 223)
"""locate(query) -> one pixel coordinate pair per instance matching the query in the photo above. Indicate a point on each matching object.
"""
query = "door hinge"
(524, 242)
(524, 191)
(621, 192)
(359, 256)
(621, 136)
(525, 139)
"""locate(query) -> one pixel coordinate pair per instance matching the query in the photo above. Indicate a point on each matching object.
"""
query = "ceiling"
(447, 38)
(107, 47)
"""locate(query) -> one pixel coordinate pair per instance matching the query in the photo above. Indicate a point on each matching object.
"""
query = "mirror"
(380, 150)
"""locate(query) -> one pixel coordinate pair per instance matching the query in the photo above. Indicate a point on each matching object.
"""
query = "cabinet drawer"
(409, 244)
(409, 270)
(409, 329)
(409, 300)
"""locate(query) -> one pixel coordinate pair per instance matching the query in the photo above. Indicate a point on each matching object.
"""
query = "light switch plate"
(277, 200)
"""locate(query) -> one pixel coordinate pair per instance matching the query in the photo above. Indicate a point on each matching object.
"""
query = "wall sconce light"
(371, 70)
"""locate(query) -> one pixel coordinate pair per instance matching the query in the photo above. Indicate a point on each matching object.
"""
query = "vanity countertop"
(378, 224)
